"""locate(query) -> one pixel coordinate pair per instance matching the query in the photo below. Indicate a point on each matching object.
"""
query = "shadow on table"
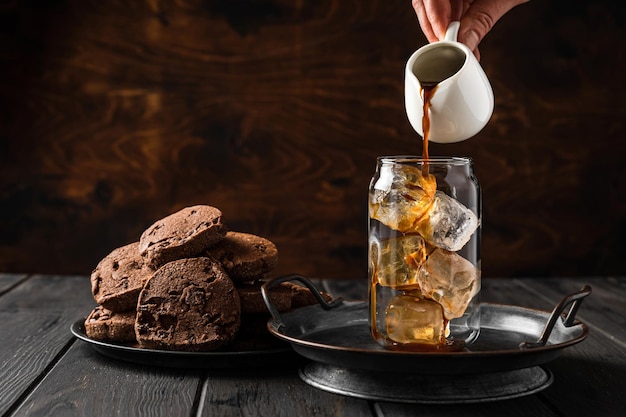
(587, 384)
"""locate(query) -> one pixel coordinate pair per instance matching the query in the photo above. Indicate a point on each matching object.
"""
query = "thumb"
(480, 18)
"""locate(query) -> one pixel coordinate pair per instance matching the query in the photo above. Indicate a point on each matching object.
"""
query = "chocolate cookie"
(252, 298)
(103, 324)
(302, 296)
(118, 278)
(245, 256)
(188, 304)
(183, 234)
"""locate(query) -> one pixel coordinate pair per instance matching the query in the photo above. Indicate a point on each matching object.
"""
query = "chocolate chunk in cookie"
(188, 304)
(183, 234)
(245, 256)
(105, 325)
(119, 277)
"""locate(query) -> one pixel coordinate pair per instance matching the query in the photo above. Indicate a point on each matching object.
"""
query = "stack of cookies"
(189, 284)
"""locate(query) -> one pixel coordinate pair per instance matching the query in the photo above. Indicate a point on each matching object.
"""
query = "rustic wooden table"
(45, 370)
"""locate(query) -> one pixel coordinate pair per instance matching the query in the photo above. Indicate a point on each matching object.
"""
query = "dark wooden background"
(117, 113)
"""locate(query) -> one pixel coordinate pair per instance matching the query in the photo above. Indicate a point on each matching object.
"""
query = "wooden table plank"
(50, 292)
(587, 375)
(7, 281)
(589, 380)
(604, 310)
(30, 341)
(85, 383)
(35, 317)
(52, 374)
(519, 407)
(273, 392)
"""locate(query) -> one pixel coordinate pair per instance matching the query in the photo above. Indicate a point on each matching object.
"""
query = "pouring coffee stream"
(428, 91)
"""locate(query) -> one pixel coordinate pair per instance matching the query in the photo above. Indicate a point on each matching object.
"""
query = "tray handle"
(575, 299)
(294, 277)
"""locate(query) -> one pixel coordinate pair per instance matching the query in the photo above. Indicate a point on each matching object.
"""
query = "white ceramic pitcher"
(462, 103)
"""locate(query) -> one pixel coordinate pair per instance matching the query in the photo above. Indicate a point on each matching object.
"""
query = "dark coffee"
(429, 91)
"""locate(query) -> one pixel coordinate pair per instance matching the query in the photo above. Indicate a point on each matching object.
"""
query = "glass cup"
(424, 253)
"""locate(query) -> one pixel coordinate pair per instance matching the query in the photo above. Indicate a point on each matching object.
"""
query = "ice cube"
(450, 280)
(397, 260)
(414, 320)
(401, 196)
(449, 224)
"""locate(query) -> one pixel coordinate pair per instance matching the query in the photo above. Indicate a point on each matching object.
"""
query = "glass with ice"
(424, 253)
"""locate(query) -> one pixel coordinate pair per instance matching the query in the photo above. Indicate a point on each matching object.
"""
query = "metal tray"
(427, 389)
(511, 337)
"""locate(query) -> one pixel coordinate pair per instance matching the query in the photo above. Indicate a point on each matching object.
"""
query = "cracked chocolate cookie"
(105, 325)
(183, 234)
(245, 256)
(119, 277)
(188, 304)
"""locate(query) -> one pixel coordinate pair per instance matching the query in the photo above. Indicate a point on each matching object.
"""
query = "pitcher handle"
(452, 32)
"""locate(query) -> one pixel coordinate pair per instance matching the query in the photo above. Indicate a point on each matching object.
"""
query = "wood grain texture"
(117, 114)
(78, 381)
(602, 311)
(8, 281)
(85, 383)
(514, 408)
(36, 316)
(277, 392)
(585, 389)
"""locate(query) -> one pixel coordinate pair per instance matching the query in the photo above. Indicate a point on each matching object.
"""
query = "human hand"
(477, 17)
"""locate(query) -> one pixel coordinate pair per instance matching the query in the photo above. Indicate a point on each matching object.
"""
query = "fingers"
(439, 16)
(457, 9)
(434, 17)
(477, 18)
(422, 17)
(480, 17)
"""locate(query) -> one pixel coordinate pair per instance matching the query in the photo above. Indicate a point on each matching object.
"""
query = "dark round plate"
(340, 337)
(177, 359)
